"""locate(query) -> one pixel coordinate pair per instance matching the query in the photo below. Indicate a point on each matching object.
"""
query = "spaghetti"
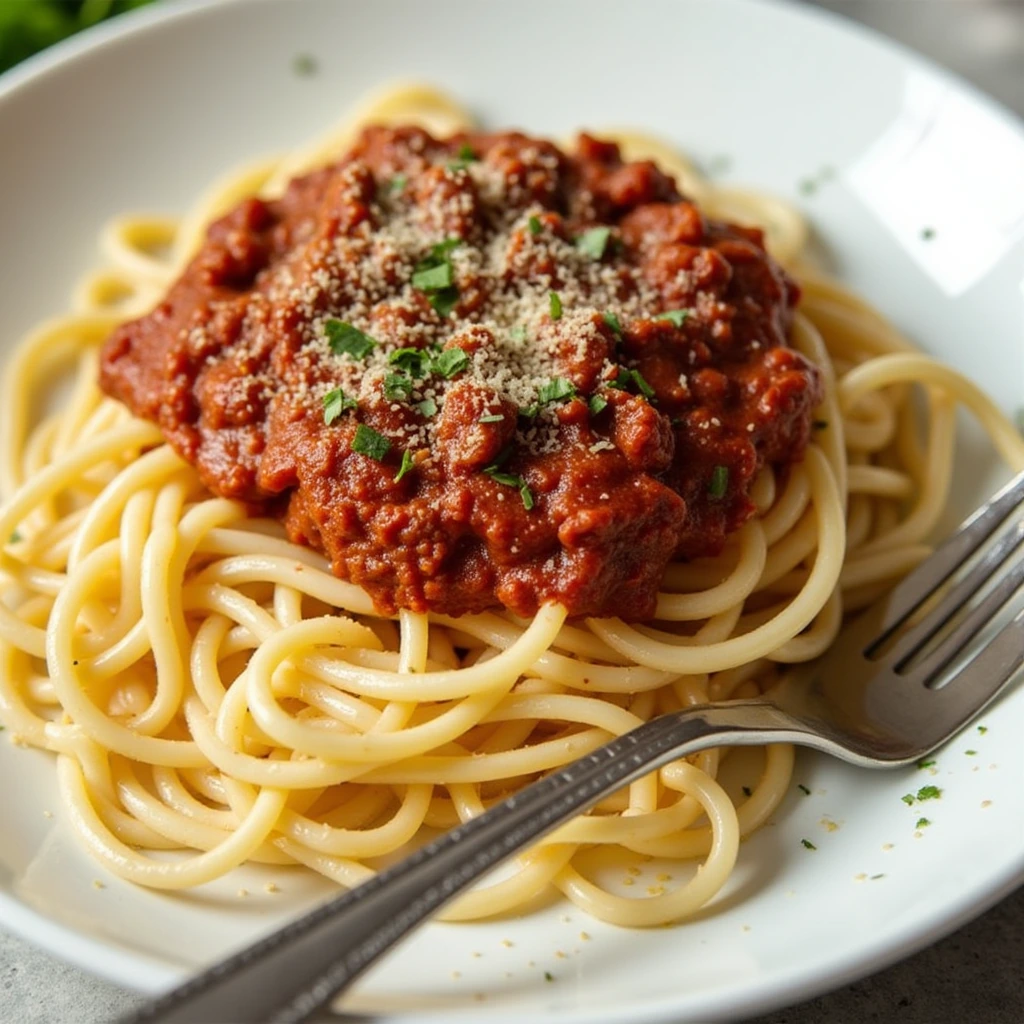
(210, 687)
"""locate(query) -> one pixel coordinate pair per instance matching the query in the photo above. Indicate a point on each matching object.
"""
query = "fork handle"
(293, 972)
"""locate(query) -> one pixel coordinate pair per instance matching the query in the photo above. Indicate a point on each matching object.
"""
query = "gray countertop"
(972, 977)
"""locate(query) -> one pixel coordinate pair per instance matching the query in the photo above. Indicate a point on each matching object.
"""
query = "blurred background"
(983, 40)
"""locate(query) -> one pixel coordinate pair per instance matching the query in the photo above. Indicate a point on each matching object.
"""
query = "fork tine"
(909, 594)
(935, 661)
(910, 642)
(980, 681)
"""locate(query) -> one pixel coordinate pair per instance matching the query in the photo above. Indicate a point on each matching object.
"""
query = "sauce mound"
(479, 371)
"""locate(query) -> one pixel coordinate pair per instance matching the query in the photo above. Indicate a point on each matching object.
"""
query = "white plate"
(144, 113)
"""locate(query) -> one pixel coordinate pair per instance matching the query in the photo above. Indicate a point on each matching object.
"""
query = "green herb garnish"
(613, 322)
(922, 823)
(548, 976)
(908, 798)
(927, 234)
(464, 158)
(435, 275)
(496, 417)
(369, 443)
(929, 793)
(555, 304)
(407, 465)
(593, 242)
(626, 377)
(556, 390)
(450, 362)
(535, 225)
(397, 386)
(982, 729)
(398, 182)
(336, 402)
(15, 537)
(346, 340)
(428, 407)
(304, 65)
(971, 753)
(719, 483)
(927, 764)
(803, 789)
(413, 361)
(597, 404)
(807, 843)
(435, 278)
(510, 480)
(674, 316)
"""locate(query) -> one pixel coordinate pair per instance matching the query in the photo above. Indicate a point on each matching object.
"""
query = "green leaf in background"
(28, 26)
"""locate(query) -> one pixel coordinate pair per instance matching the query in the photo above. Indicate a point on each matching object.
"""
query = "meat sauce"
(480, 371)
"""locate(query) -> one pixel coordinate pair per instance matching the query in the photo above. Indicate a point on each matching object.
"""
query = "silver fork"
(871, 700)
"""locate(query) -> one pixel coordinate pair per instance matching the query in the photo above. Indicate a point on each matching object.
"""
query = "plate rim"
(142, 973)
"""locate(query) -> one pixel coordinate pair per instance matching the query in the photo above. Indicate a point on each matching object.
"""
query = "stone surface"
(972, 977)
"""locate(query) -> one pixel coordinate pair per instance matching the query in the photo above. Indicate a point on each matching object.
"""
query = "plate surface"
(912, 183)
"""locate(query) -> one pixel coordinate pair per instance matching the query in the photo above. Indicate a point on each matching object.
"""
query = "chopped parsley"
(922, 823)
(875, 878)
(548, 976)
(808, 844)
(803, 789)
(15, 537)
(450, 362)
(413, 361)
(597, 404)
(719, 483)
(305, 65)
(346, 340)
(369, 443)
(982, 729)
(929, 793)
(336, 402)
(464, 158)
(496, 417)
(593, 242)
(535, 225)
(398, 182)
(407, 465)
(674, 316)
(555, 304)
(435, 276)
(613, 322)
(626, 377)
(927, 764)
(529, 412)
(396, 386)
(518, 333)
(510, 480)
(927, 234)
(908, 798)
(428, 407)
(558, 389)
(971, 753)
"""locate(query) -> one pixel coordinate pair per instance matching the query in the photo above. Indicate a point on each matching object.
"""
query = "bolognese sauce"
(480, 371)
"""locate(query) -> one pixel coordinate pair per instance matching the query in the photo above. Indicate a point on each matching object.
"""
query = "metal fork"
(871, 700)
